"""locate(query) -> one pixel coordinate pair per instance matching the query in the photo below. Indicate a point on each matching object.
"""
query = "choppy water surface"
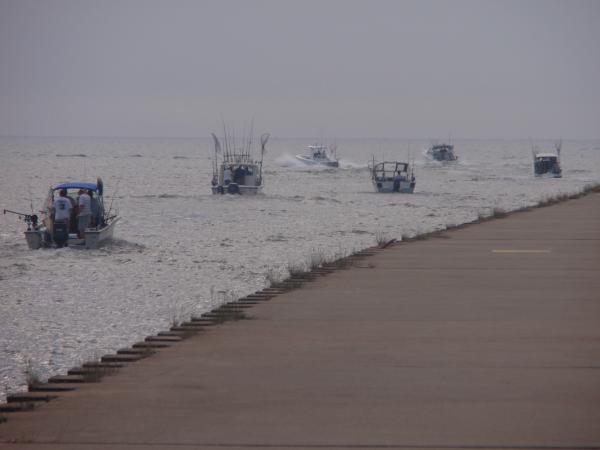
(180, 251)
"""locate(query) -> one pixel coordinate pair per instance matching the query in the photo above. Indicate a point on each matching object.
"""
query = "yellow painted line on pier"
(521, 251)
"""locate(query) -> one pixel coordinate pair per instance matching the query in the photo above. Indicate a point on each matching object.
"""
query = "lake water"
(179, 250)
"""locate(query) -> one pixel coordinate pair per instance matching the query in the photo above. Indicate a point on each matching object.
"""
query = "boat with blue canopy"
(52, 232)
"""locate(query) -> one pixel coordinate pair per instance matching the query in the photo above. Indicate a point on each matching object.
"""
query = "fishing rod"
(112, 199)
(30, 219)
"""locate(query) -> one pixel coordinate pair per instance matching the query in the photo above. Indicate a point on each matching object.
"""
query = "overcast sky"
(341, 68)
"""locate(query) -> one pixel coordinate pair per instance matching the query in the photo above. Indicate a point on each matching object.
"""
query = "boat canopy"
(76, 185)
(391, 166)
(546, 155)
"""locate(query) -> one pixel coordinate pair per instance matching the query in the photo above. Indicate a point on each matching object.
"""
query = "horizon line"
(15, 136)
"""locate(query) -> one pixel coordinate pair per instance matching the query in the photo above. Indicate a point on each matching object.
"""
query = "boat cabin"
(94, 190)
(546, 164)
(393, 176)
(234, 169)
(442, 152)
(230, 177)
(319, 151)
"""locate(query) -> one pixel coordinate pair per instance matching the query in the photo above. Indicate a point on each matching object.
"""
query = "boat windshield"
(387, 170)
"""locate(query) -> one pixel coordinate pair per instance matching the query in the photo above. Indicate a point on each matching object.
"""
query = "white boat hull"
(92, 238)
(95, 238)
(317, 162)
(240, 189)
(405, 187)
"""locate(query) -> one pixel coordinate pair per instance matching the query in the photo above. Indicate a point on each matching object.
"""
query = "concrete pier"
(487, 336)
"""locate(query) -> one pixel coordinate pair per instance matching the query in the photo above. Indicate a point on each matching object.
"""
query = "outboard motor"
(60, 233)
(233, 188)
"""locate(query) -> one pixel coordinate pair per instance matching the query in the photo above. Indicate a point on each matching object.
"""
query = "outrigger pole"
(263, 142)
(217, 150)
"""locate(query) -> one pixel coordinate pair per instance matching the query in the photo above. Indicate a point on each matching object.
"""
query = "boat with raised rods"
(58, 233)
(547, 164)
(235, 171)
(441, 152)
(320, 155)
(393, 176)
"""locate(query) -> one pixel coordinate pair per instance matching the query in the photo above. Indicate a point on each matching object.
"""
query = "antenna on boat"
(217, 150)
(532, 148)
(112, 199)
(263, 142)
(558, 147)
(30, 198)
(225, 141)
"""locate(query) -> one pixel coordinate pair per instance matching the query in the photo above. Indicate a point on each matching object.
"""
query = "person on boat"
(84, 212)
(238, 175)
(397, 179)
(226, 175)
(95, 210)
(61, 207)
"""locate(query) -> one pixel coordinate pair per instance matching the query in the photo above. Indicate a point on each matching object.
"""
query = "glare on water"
(179, 250)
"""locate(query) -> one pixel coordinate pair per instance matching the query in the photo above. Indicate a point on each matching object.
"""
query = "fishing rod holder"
(30, 219)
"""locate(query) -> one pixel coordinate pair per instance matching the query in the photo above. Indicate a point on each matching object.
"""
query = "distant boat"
(234, 170)
(319, 155)
(442, 152)
(393, 176)
(547, 164)
(51, 233)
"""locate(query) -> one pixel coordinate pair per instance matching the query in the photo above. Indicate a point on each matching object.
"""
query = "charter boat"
(393, 176)
(441, 152)
(319, 155)
(547, 164)
(54, 233)
(235, 171)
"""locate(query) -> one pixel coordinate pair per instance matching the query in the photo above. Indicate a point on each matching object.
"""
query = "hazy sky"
(338, 68)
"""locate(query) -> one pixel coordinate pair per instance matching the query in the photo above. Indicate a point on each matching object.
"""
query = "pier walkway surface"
(486, 336)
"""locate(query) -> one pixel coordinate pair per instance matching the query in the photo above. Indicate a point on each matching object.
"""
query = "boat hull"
(387, 186)
(92, 238)
(34, 238)
(315, 162)
(548, 175)
(239, 189)
(442, 156)
(95, 238)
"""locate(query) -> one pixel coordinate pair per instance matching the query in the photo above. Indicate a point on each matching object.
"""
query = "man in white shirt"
(62, 207)
(84, 212)
(227, 176)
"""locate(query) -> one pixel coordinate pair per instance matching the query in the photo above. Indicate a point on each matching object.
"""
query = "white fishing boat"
(235, 171)
(319, 155)
(59, 233)
(393, 176)
(441, 152)
(547, 164)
